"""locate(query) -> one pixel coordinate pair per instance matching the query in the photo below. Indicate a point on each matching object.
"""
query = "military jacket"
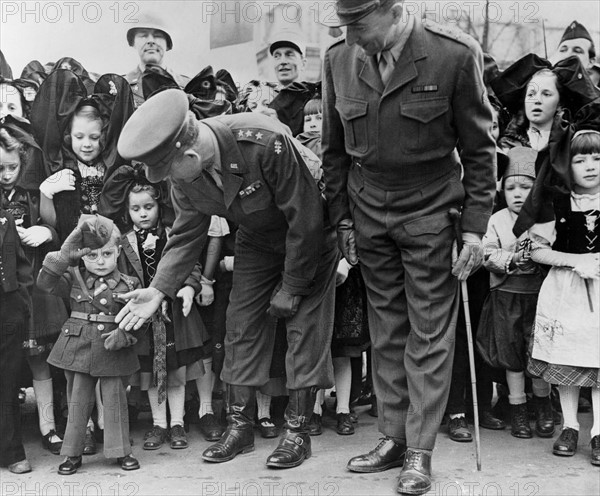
(408, 131)
(80, 347)
(267, 190)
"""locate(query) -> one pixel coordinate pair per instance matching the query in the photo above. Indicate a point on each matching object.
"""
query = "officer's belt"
(93, 317)
(407, 177)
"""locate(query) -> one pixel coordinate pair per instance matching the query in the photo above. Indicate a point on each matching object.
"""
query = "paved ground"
(510, 467)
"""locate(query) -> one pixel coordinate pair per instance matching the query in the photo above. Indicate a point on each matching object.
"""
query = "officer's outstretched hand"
(71, 250)
(471, 256)
(347, 241)
(283, 304)
(141, 305)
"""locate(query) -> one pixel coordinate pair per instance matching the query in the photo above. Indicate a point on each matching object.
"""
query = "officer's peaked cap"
(348, 12)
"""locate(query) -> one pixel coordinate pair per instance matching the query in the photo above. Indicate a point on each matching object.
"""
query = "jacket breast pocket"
(353, 113)
(425, 125)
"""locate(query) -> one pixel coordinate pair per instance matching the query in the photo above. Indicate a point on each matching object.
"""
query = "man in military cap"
(150, 39)
(243, 168)
(400, 95)
(576, 40)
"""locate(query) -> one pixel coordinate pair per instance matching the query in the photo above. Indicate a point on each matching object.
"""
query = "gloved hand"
(342, 272)
(207, 293)
(283, 304)
(34, 235)
(117, 339)
(63, 180)
(71, 250)
(471, 256)
(347, 241)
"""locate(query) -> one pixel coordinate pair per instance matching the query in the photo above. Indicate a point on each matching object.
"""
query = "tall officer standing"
(401, 95)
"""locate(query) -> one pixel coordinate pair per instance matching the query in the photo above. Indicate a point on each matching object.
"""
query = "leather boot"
(519, 421)
(294, 444)
(544, 418)
(239, 435)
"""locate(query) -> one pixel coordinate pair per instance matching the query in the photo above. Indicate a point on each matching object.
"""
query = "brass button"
(66, 331)
(100, 327)
(103, 301)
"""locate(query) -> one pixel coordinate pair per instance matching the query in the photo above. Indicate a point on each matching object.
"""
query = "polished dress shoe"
(488, 421)
(415, 476)
(267, 428)
(70, 465)
(595, 442)
(178, 437)
(155, 438)
(89, 444)
(344, 424)
(566, 444)
(458, 430)
(128, 462)
(387, 454)
(519, 421)
(210, 428)
(544, 418)
(22, 467)
(52, 446)
(233, 442)
(315, 426)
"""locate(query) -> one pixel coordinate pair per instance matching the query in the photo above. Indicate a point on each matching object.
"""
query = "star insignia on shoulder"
(277, 147)
(241, 133)
(248, 133)
(258, 135)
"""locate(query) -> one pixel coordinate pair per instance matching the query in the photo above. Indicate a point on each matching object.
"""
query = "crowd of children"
(79, 227)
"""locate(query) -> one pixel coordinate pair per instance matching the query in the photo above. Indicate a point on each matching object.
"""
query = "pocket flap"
(430, 224)
(425, 110)
(351, 109)
(72, 328)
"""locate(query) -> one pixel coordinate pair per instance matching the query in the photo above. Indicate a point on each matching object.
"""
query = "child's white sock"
(263, 402)
(319, 401)
(516, 387)
(205, 388)
(45, 405)
(342, 371)
(176, 395)
(159, 412)
(569, 401)
(596, 411)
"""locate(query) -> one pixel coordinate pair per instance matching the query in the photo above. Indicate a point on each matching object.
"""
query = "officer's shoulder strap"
(450, 32)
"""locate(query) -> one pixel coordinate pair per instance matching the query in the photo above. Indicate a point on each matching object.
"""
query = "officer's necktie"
(386, 66)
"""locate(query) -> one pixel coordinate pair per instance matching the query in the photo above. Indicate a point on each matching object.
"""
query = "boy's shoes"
(566, 444)
(22, 467)
(128, 463)
(178, 437)
(155, 438)
(267, 428)
(458, 430)
(344, 424)
(596, 450)
(210, 428)
(89, 444)
(488, 421)
(70, 465)
(315, 426)
(52, 446)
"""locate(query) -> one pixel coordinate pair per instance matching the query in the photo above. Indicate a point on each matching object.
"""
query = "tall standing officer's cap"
(153, 133)
(288, 38)
(348, 12)
(148, 21)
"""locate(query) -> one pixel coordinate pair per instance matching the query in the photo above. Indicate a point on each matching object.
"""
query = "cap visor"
(157, 173)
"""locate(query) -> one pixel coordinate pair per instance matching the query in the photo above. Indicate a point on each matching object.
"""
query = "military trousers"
(81, 398)
(404, 239)
(250, 334)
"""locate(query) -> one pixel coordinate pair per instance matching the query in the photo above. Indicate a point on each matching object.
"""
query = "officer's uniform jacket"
(406, 133)
(267, 190)
(80, 347)
(134, 78)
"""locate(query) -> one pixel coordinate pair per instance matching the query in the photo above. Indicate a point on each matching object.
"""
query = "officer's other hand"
(283, 304)
(117, 339)
(470, 258)
(141, 305)
(347, 241)
(71, 249)
(187, 298)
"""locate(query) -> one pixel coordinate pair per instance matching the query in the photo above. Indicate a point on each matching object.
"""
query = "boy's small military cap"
(153, 133)
(96, 230)
(521, 162)
(148, 21)
(349, 11)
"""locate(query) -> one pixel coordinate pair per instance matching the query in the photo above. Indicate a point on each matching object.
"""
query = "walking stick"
(455, 216)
